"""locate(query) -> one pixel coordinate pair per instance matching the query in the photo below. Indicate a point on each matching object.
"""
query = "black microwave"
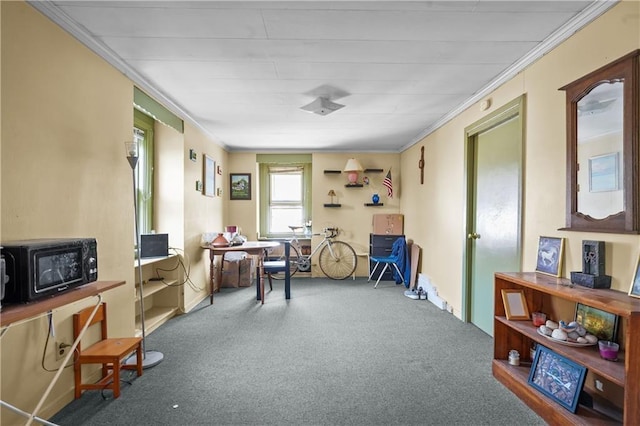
(44, 267)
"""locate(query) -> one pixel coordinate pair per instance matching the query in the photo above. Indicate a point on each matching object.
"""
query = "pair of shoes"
(412, 294)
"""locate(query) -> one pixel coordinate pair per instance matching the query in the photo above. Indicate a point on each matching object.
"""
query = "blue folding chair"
(275, 266)
(397, 251)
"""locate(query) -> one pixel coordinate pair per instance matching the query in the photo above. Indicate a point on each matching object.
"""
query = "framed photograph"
(557, 377)
(603, 173)
(550, 252)
(603, 325)
(209, 177)
(515, 304)
(240, 186)
(635, 282)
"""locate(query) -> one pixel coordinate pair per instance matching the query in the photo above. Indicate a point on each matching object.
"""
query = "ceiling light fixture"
(322, 106)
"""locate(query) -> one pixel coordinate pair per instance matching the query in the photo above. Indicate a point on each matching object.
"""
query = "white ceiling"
(240, 70)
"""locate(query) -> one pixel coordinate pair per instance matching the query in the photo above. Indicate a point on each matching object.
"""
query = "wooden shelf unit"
(163, 299)
(540, 290)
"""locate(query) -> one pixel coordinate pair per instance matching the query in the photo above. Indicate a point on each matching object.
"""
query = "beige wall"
(65, 116)
(66, 113)
(435, 211)
(353, 218)
(201, 213)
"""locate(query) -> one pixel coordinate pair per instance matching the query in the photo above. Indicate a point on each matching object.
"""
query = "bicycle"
(337, 259)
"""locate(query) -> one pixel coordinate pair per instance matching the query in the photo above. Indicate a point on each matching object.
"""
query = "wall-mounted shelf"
(332, 172)
(353, 185)
(374, 204)
(333, 205)
(373, 170)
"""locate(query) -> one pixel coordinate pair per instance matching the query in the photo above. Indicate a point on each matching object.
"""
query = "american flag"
(387, 182)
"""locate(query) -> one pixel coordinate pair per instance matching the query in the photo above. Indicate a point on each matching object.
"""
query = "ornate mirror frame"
(626, 70)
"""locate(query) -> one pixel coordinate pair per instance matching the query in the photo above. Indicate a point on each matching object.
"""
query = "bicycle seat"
(295, 228)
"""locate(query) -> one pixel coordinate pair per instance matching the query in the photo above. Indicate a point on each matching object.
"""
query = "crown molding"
(58, 16)
(588, 14)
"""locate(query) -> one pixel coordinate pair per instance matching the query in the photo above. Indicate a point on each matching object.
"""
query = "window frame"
(265, 163)
(145, 170)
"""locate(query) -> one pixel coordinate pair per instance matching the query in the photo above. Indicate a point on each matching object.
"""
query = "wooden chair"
(108, 352)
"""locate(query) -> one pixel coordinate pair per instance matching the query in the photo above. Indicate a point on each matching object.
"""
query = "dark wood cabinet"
(381, 245)
(542, 292)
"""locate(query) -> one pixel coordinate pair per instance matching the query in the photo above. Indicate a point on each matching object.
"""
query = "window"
(285, 193)
(143, 134)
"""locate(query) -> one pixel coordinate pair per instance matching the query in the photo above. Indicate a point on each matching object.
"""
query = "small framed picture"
(515, 304)
(635, 282)
(557, 377)
(603, 325)
(240, 186)
(550, 253)
(603, 173)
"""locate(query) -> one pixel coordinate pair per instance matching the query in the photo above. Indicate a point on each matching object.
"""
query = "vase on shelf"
(375, 198)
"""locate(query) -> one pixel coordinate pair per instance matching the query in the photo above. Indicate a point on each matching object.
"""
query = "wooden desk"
(255, 248)
(18, 313)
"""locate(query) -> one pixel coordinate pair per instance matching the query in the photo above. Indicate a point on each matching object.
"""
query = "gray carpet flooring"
(336, 353)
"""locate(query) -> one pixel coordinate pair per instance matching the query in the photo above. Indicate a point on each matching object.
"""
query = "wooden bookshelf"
(540, 291)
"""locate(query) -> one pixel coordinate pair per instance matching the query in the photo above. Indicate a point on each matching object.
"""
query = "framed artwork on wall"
(240, 186)
(603, 173)
(209, 177)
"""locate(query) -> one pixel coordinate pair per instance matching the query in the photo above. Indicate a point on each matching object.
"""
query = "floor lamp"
(149, 358)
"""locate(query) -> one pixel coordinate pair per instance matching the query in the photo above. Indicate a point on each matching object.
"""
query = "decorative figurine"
(593, 273)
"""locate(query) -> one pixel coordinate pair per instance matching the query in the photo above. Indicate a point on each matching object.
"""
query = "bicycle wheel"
(337, 260)
(294, 255)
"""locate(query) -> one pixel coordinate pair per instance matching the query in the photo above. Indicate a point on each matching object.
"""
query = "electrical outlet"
(62, 349)
(599, 385)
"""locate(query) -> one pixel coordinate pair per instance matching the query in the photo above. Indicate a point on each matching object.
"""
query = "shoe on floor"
(412, 294)
(422, 295)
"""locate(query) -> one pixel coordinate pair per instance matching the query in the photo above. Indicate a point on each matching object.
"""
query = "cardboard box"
(237, 273)
(391, 224)
(245, 272)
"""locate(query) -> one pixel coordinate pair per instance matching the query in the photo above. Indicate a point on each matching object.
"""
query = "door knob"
(473, 236)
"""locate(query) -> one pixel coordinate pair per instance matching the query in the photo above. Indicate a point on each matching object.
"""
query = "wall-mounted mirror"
(602, 149)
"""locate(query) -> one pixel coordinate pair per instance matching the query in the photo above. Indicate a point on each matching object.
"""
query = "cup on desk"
(539, 318)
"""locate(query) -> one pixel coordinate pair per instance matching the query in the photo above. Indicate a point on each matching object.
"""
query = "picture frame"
(634, 290)
(603, 173)
(550, 256)
(515, 304)
(209, 176)
(557, 377)
(602, 324)
(240, 186)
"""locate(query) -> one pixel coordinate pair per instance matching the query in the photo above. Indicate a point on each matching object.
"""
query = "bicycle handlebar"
(326, 232)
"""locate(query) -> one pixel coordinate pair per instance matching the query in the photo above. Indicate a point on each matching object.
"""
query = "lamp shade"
(353, 165)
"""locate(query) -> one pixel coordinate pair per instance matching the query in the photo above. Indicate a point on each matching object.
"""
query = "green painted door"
(495, 230)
